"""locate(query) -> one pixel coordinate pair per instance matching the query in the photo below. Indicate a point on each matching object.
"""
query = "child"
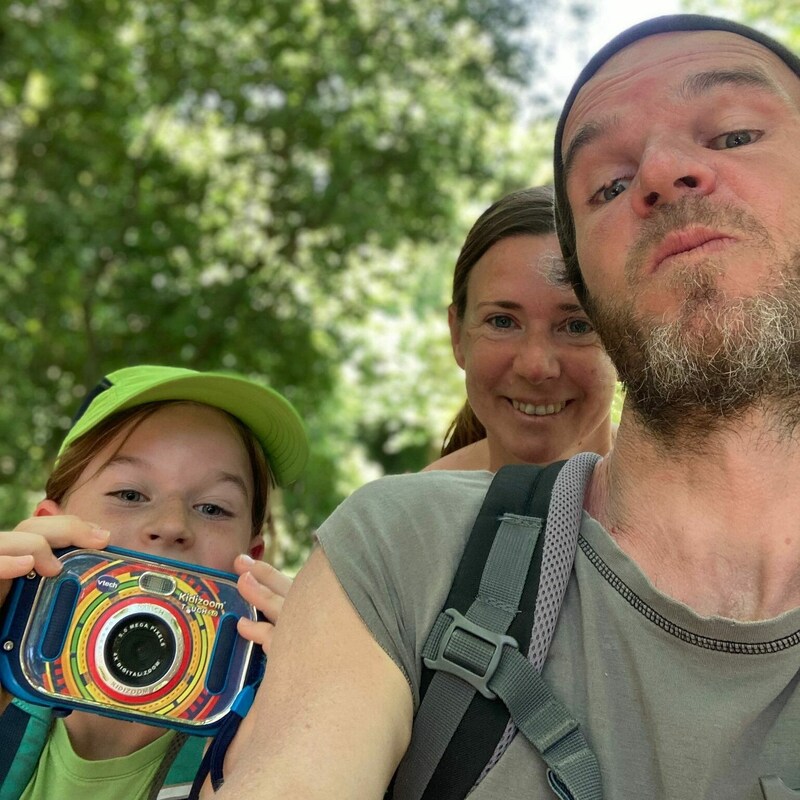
(170, 462)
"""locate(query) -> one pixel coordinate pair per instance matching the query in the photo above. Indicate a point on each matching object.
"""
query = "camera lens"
(140, 650)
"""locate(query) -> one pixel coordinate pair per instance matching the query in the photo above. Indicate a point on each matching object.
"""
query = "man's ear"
(256, 548)
(47, 508)
(455, 334)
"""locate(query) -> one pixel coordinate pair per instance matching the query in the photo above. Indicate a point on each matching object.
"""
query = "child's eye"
(608, 191)
(727, 141)
(213, 510)
(128, 495)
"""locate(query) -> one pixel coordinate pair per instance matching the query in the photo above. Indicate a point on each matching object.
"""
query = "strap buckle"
(467, 669)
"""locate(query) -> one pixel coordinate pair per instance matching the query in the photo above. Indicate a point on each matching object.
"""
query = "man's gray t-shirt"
(675, 705)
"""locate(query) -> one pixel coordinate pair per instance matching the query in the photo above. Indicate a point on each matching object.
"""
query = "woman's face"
(537, 376)
(179, 485)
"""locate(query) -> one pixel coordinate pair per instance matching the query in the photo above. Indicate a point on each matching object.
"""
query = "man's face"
(682, 169)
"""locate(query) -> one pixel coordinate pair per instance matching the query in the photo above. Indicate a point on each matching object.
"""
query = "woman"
(539, 384)
(177, 464)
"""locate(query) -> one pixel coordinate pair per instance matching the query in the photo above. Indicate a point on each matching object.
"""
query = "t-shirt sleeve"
(394, 546)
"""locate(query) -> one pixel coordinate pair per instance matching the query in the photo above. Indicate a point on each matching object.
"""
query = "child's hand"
(30, 546)
(265, 587)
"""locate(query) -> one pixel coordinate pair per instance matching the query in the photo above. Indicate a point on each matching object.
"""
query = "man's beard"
(718, 358)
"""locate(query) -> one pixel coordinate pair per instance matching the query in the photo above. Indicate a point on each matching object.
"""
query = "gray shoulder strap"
(472, 653)
(558, 556)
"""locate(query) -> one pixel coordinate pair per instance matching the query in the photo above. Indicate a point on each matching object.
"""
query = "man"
(677, 644)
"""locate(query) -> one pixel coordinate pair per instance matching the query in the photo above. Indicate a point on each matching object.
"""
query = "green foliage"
(778, 18)
(276, 188)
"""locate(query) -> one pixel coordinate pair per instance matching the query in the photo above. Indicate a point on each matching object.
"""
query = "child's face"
(180, 486)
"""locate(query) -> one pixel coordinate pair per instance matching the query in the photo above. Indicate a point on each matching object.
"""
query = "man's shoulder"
(447, 487)
(418, 512)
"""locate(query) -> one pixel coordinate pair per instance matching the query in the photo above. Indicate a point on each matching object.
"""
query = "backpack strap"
(173, 781)
(558, 555)
(475, 653)
(213, 760)
(24, 729)
(430, 768)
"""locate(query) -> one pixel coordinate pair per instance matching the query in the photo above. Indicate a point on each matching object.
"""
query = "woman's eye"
(501, 321)
(727, 141)
(611, 190)
(578, 327)
(128, 495)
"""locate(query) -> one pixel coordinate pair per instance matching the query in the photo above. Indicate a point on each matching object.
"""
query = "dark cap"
(673, 23)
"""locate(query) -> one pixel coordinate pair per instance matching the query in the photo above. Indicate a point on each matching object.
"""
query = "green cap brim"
(271, 417)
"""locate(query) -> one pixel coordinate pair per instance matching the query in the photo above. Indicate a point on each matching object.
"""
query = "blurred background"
(279, 188)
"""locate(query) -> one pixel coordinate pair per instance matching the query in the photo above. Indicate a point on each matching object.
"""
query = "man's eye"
(610, 190)
(727, 141)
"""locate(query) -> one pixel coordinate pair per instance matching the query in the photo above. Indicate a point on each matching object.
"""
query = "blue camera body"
(120, 634)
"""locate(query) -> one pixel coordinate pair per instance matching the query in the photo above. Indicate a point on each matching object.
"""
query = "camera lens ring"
(139, 649)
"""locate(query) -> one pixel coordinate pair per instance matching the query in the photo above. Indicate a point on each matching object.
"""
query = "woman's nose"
(537, 360)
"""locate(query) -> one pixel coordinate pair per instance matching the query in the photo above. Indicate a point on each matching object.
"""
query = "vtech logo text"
(107, 583)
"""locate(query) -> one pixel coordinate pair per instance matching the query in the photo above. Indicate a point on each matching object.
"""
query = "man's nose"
(667, 173)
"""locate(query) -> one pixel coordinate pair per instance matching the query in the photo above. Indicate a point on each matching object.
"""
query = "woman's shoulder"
(474, 456)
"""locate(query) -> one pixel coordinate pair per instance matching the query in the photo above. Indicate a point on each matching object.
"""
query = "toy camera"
(120, 634)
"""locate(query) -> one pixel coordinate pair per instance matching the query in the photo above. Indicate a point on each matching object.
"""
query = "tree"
(778, 18)
(235, 185)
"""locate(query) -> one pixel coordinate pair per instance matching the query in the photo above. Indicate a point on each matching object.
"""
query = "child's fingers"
(258, 632)
(15, 566)
(38, 536)
(265, 574)
(12, 567)
(20, 544)
(64, 530)
(263, 598)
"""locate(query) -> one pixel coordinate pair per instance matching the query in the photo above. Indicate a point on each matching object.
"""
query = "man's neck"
(715, 526)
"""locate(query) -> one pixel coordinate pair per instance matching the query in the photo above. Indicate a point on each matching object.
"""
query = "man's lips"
(688, 241)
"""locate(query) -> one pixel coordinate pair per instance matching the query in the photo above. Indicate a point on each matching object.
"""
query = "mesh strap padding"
(560, 543)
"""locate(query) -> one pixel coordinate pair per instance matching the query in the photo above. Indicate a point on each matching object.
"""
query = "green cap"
(270, 416)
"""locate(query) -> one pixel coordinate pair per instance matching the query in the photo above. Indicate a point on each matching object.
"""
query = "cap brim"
(271, 417)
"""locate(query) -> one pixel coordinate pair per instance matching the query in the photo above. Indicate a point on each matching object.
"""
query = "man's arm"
(333, 716)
